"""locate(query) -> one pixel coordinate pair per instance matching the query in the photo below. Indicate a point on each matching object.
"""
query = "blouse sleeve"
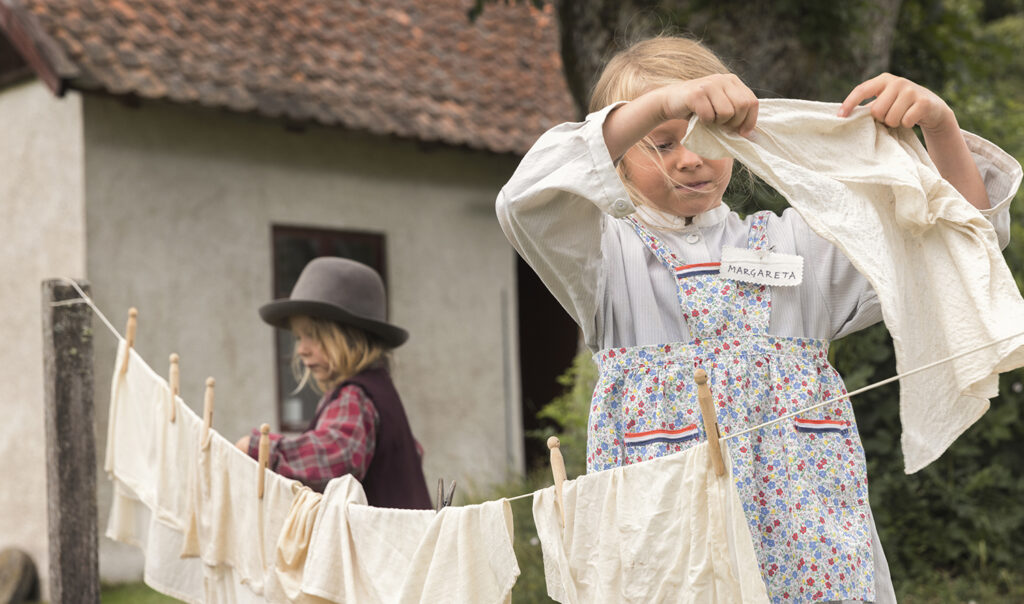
(342, 442)
(553, 211)
(851, 302)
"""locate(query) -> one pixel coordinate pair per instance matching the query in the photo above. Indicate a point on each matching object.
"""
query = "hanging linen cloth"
(227, 523)
(665, 530)
(363, 554)
(148, 459)
(932, 258)
(153, 464)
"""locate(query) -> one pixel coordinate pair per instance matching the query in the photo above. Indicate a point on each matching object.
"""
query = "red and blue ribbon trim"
(661, 436)
(820, 426)
(692, 270)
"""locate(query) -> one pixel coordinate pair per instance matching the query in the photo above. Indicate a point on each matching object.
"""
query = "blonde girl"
(626, 227)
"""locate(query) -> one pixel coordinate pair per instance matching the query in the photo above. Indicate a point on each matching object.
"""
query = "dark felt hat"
(343, 291)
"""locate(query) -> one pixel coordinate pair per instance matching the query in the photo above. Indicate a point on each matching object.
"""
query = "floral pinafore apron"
(802, 481)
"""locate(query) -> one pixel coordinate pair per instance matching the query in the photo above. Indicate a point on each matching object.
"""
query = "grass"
(132, 593)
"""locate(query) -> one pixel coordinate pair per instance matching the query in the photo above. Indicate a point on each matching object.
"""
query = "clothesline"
(867, 388)
(88, 301)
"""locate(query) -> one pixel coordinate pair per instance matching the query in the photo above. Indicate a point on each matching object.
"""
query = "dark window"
(293, 248)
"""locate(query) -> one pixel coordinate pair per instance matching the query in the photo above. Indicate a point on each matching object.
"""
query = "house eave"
(41, 52)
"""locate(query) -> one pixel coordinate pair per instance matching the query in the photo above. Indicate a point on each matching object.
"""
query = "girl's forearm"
(948, 150)
(627, 124)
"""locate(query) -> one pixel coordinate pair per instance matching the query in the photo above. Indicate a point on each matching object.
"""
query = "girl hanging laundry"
(338, 313)
(628, 230)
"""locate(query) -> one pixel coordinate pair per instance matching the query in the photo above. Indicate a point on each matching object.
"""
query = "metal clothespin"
(442, 500)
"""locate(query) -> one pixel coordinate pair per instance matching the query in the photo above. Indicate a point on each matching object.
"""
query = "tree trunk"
(794, 48)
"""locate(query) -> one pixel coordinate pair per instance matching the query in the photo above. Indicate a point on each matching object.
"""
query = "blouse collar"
(665, 221)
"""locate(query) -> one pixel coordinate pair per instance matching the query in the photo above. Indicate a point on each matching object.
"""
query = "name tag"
(761, 267)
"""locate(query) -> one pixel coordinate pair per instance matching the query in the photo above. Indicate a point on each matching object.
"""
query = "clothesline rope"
(88, 301)
(879, 384)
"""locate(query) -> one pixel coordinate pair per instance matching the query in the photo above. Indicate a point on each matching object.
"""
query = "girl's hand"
(243, 444)
(900, 102)
(719, 98)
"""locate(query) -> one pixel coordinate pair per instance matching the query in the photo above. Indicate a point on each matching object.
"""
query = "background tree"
(782, 48)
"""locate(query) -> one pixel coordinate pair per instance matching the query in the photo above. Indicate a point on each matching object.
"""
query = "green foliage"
(569, 412)
(959, 519)
(133, 593)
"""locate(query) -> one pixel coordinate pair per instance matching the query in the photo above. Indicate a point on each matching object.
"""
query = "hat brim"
(278, 312)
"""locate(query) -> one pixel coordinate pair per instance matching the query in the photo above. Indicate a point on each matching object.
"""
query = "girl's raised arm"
(719, 98)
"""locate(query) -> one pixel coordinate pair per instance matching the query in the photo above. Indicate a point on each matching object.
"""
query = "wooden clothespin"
(264, 457)
(558, 471)
(207, 413)
(174, 380)
(442, 499)
(129, 337)
(707, 410)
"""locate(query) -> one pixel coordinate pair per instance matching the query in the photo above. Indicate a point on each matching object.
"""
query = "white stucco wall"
(42, 230)
(180, 207)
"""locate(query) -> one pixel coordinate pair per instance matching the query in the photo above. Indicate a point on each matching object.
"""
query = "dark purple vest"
(395, 476)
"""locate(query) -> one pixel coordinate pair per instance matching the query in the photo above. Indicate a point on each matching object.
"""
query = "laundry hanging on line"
(221, 543)
(207, 537)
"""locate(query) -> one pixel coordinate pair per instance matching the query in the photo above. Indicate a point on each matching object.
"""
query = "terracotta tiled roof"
(412, 68)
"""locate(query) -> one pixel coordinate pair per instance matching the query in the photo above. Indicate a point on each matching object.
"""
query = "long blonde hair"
(349, 350)
(647, 65)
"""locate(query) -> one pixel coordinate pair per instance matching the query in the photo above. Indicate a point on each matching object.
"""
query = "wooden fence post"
(70, 445)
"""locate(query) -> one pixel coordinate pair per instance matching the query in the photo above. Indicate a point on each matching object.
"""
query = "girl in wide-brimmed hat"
(338, 313)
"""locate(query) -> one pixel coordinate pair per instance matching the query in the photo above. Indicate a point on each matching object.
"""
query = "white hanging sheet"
(664, 530)
(932, 257)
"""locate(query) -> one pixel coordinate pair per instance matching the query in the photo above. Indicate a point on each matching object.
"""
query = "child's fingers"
(750, 121)
(896, 114)
(721, 106)
(733, 104)
(883, 102)
(746, 103)
(914, 115)
(859, 94)
(702, 107)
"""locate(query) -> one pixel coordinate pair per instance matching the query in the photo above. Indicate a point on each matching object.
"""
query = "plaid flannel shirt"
(342, 442)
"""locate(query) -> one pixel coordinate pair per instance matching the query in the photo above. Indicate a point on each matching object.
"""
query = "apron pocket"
(824, 463)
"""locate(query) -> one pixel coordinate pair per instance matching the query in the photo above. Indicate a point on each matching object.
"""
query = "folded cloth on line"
(362, 554)
(665, 530)
(228, 524)
(285, 583)
(932, 258)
